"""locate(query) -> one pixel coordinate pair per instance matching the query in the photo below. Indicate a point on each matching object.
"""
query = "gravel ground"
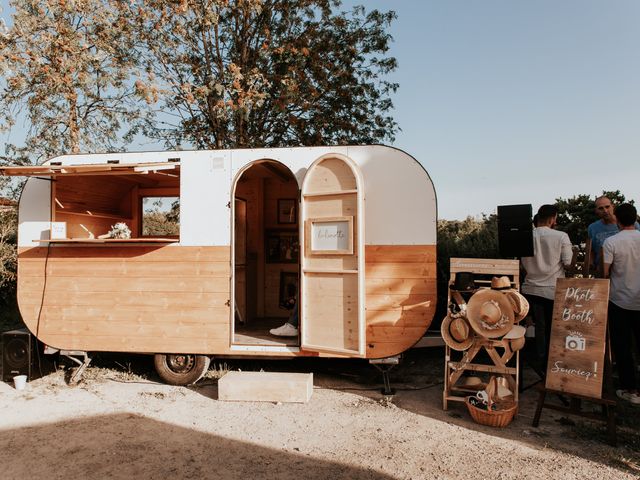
(118, 422)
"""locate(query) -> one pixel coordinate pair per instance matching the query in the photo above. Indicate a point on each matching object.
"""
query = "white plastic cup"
(20, 382)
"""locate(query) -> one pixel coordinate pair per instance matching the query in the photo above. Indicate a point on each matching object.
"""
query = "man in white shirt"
(621, 256)
(552, 253)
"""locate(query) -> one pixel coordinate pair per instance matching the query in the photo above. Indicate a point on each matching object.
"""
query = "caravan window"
(160, 216)
(91, 199)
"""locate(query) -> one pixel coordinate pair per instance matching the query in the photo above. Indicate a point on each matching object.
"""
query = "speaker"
(515, 231)
(17, 354)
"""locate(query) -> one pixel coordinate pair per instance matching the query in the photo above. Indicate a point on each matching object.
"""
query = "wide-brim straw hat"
(519, 303)
(456, 333)
(490, 313)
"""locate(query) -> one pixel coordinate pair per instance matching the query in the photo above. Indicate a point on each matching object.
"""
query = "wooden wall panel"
(97, 194)
(83, 226)
(333, 320)
(118, 298)
(331, 175)
(400, 286)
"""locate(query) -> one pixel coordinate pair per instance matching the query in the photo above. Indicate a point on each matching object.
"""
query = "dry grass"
(216, 371)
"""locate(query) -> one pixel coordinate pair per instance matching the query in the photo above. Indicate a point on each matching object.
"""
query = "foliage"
(263, 73)
(576, 213)
(66, 67)
(469, 238)
(9, 316)
(161, 221)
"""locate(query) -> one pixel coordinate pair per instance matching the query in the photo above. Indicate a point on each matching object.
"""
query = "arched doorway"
(266, 251)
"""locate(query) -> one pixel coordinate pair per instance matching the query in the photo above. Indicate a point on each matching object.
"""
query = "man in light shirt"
(621, 257)
(552, 253)
(602, 229)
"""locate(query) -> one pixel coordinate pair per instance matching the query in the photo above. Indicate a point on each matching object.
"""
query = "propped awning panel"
(90, 169)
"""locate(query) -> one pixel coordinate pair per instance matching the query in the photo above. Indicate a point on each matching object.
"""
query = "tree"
(8, 266)
(576, 213)
(263, 73)
(66, 68)
(469, 238)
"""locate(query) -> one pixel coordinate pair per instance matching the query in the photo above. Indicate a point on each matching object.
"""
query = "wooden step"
(266, 387)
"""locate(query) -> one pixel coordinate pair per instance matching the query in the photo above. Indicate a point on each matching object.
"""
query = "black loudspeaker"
(515, 231)
(17, 354)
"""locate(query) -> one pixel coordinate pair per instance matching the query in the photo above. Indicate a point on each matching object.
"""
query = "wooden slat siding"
(83, 252)
(400, 296)
(201, 284)
(128, 295)
(126, 314)
(124, 267)
(398, 286)
(145, 299)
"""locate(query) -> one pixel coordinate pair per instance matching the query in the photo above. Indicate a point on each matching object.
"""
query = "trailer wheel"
(181, 368)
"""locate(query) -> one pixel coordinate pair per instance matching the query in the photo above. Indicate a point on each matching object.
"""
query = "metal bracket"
(82, 365)
(384, 365)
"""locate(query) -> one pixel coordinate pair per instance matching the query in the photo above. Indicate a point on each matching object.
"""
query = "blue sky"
(507, 101)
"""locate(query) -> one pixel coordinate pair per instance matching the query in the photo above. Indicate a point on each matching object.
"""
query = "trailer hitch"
(71, 354)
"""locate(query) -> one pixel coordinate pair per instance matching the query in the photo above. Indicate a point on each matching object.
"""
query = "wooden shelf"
(95, 214)
(111, 240)
(327, 194)
(337, 270)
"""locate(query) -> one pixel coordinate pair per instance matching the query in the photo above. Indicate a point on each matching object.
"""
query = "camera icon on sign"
(573, 342)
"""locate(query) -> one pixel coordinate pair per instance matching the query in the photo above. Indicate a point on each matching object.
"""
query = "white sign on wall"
(58, 230)
(330, 235)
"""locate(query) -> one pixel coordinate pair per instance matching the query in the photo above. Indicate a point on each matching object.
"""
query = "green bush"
(9, 316)
(469, 238)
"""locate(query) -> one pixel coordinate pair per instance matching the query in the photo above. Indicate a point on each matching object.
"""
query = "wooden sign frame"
(312, 223)
(577, 343)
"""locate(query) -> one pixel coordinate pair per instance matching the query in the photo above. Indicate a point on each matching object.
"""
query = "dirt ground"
(118, 422)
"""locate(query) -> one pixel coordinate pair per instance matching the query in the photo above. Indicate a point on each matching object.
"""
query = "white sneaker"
(286, 330)
(633, 398)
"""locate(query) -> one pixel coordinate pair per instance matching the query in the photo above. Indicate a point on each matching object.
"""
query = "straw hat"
(516, 332)
(490, 313)
(500, 283)
(519, 303)
(515, 337)
(456, 333)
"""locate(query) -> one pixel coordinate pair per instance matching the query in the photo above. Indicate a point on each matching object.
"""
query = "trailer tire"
(181, 368)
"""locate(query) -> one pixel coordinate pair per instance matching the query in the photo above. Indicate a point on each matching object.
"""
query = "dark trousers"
(541, 310)
(623, 324)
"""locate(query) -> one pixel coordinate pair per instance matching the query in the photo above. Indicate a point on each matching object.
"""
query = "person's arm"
(566, 251)
(606, 259)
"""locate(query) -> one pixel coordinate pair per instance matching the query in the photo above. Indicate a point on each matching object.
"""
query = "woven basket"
(492, 418)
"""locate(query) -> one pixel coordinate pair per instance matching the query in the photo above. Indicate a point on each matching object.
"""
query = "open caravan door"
(332, 288)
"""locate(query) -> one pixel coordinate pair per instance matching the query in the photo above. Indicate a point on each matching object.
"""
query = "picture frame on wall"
(287, 211)
(282, 246)
(329, 236)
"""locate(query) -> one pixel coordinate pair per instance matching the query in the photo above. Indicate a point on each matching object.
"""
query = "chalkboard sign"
(578, 336)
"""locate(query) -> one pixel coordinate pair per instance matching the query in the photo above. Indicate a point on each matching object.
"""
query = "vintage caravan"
(348, 233)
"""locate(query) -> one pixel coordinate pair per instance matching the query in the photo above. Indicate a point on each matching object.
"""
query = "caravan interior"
(267, 252)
